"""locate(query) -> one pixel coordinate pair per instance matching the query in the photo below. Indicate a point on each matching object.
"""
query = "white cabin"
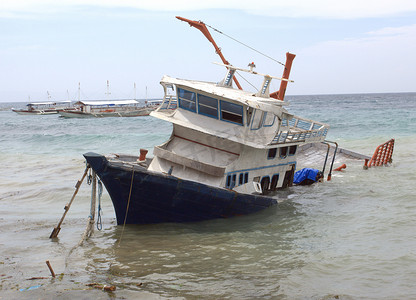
(231, 138)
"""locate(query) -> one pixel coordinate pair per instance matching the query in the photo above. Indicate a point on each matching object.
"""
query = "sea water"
(348, 238)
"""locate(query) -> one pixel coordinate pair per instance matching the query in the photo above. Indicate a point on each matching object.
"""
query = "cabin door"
(288, 180)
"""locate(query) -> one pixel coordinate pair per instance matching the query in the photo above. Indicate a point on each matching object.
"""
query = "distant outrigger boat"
(107, 108)
(43, 108)
(110, 108)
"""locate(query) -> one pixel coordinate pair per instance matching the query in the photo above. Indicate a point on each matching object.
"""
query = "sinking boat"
(229, 153)
(228, 149)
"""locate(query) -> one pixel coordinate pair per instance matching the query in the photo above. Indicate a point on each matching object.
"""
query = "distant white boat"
(43, 108)
(106, 108)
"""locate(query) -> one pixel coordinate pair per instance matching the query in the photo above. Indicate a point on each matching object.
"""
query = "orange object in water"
(343, 166)
(143, 153)
(382, 155)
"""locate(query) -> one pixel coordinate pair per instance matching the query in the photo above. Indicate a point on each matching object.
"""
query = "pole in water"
(57, 229)
(326, 158)
(333, 159)
(50, 268)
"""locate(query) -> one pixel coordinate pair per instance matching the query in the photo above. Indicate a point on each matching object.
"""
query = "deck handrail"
(300, 130)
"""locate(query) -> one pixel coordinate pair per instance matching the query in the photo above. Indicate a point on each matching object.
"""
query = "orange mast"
(201, 26)
(280, 94)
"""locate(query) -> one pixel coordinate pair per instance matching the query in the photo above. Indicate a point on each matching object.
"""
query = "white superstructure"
(231, 138)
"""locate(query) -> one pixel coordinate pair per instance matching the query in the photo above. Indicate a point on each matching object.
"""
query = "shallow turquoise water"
(350, 238)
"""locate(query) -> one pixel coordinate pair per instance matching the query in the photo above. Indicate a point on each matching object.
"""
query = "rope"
(90, 224)
(99, 210)
(128, 204)
(89, 177)
(269, 57)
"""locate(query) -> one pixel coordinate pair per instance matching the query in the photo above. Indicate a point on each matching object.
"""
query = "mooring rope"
(99, 209)
(128, 205)
(90, 224)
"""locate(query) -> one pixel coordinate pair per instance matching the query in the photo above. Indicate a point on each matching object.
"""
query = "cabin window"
(292, 150)
(275, 180)
(268, 119)
(246, 177)
(187, 99)
(283, 152)
(233, 180)
(208, 106)
(271, 153)
(231, 112)
(257, 119)
(241, 179)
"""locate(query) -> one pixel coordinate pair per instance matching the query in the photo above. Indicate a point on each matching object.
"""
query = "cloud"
(295, 8)
(381, 61)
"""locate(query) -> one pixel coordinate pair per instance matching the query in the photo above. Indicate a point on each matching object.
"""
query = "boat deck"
(313, 156)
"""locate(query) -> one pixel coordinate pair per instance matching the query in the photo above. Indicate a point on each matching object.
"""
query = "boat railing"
(298, 129)
(169, 101)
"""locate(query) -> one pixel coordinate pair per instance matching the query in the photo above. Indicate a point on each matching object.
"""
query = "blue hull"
(160, 198)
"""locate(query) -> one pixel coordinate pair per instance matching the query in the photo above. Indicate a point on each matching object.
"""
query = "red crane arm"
(201, 26)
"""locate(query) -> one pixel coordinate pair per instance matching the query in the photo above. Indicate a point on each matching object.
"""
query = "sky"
(342, 47)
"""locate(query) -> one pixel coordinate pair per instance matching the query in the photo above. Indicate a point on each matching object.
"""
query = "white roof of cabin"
(105, 102)
(236, 95)
(40, 103)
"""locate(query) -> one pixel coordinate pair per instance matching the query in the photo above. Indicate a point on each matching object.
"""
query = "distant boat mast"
(108, 90)
(79, 91)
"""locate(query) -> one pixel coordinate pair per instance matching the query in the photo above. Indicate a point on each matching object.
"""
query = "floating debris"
(104, 287)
